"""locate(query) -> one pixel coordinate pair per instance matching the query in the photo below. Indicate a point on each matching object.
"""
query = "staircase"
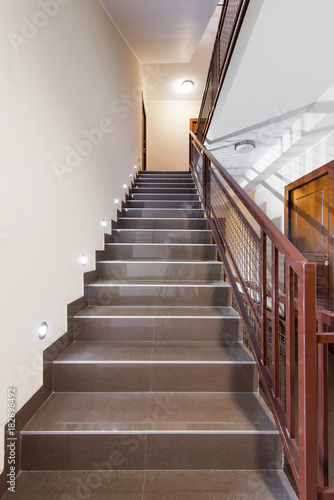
(157, 396)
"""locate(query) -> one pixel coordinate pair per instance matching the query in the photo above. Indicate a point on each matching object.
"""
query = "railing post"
(290, 350)
(275, 323)
(323, 409)
(206, 182)
(264, 346)
(307, 384)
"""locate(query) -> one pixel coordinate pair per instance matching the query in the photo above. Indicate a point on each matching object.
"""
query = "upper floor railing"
(274, 288)
(233, 13)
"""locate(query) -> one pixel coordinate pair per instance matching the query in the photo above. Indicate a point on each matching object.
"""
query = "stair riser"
(156, 329)
(151, 451)
(161, 252)
(167, 236)
(163, 204)
(164, 190)
(168, 197)
(158, 270)
(167, 180)
(161, 377)
(158, 296)
(187, 224)
(163, 213)
(164, 184)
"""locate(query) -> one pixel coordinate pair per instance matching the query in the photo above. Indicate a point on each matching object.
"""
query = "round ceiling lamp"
(245, 146)
(187, 84)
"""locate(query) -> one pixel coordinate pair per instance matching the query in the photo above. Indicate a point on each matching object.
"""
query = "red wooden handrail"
(244, 253)
(231, 19)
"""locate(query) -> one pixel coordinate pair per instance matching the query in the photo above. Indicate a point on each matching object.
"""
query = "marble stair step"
(164, 367)
(156, 270)
(162, 204)
(171, 213)
(116, 251)
(150, 189)
(141, 235)
(164, 179)
(197, 223)
(171, 197)
(149, 293)
(158, 324)
(165, 183)
(152, 484)
(152, 431)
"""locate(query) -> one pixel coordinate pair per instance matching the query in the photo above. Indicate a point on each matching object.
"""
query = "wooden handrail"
(282, 243)
(244, 255)
(220, 60)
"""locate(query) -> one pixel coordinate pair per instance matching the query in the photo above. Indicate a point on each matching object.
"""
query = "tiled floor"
(153, 485)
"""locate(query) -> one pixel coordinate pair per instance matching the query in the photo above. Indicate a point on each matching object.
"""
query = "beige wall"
(68, 83)
(167, 133)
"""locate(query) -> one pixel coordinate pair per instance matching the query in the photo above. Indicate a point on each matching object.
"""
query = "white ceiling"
(160, 31)
(279, 89)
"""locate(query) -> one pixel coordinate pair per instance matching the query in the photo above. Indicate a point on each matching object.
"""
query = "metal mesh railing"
(242, 243)
(274, 289)
(233, 12)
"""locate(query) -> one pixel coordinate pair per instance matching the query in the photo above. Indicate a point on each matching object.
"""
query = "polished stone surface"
(157, 213)
(163, 312)
(165, 270)
(108, 292)
(163, 204)
(152, 485)
(161, 236)
(155, 352)
(196, 223)
(157, 388)
(142, 251)
(158, 329)
(152, 411)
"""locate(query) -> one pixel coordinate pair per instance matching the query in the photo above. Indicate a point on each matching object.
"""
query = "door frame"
(328, 168)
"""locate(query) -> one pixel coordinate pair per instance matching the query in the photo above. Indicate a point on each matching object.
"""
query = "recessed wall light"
(130, 176)
(135, 167)
(125, 186)
(116, 200)
(103, 223)
(83, 260)
(43, 330)
(245, 145)
(187, 84)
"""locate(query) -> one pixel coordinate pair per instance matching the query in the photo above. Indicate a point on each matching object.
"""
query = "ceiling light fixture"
(187, 84)
(245, 146)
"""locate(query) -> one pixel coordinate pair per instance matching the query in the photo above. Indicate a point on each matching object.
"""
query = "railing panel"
(233, 12)
(274, 289)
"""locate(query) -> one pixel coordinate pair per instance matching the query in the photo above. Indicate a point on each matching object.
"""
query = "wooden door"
(309, 225)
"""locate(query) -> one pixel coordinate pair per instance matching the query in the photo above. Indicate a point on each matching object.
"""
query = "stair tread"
(150, 485)
(156, 352)
(158, 311)
(178, 412)
(161, 283)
